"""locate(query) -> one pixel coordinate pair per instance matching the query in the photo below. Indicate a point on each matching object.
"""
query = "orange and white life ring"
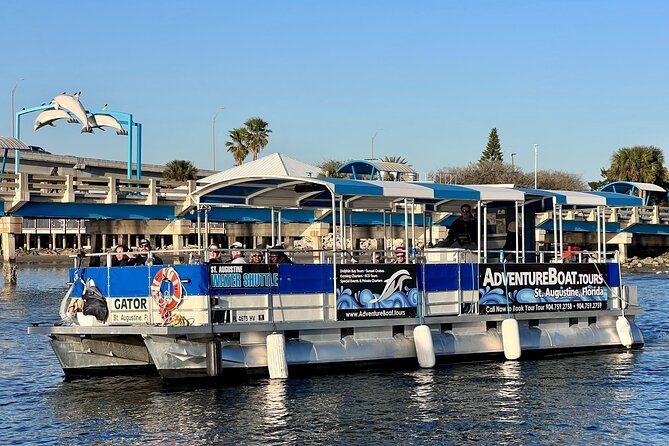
(167, 301)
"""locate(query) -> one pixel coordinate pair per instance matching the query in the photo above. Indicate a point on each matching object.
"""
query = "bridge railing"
(23, 187)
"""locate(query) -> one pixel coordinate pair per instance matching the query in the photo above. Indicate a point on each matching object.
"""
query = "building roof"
(625, 187)
(373, 167)
(276, 164)
(7, 142)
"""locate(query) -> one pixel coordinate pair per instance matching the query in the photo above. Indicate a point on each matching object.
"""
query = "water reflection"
(509, 392)
(423, 394)
(598, 398)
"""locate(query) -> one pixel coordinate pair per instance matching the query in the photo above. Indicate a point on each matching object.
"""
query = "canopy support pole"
(515, 208)
(406, 232)
(555, 231)
(342, 228)
(478, 231)
(599, 237)
(604, 232)
(561, 233)
(522, 225)
(206, 226)
(390, 229)
(485, 232)
(279, 238)
(334, 249)
(272, 222)
(199, 229)
(413, 229)
(385, 233)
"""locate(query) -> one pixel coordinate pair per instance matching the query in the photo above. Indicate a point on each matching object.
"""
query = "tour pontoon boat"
(513, 291)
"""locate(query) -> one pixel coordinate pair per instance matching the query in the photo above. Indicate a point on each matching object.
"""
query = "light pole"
(513, 161)
(213, 138)
(11, 102)
(536, 162)
(373, 138)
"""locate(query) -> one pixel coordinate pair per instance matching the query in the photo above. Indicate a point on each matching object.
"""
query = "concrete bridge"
(98, 212)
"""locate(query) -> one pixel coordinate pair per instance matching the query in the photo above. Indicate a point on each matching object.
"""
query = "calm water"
(614, 398)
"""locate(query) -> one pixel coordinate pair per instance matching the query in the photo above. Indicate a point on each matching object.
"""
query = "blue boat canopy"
(281, 182)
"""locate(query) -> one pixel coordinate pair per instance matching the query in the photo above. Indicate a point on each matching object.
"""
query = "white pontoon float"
(335, 307)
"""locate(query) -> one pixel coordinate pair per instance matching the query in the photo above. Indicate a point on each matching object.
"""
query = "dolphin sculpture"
(102, 120)
(393, 284)
(48, 117)
(73, 105)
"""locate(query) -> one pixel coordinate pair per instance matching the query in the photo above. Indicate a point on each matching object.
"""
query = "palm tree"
(179, 170)
(639, 163)
(394, 159)
(238, 144)
(329, 169)
(258, 135)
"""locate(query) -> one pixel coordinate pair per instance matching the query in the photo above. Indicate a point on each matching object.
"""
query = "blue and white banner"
(376, 291)
(530, 288)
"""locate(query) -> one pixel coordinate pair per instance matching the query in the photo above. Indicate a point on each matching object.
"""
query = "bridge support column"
(9, 228)
(178, 228)
(27, 242)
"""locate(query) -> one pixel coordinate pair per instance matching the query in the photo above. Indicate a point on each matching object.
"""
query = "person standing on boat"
(463, 231)
(144, 247)
(236, 256)
(214, 254)
(120, 258)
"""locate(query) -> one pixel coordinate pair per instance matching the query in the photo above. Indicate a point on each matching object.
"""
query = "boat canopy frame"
(343, 196)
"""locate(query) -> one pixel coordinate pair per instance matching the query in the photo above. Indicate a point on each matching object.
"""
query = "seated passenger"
(378, 257)
(120, 259)
(277, 255)
(214, 254)
(256, 257)
(400, 256)
(236, 256)
(143, 258)
(463, 231)
(509, 247)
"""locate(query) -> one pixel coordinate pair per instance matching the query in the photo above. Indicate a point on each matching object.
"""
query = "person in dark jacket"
(120, 258)
(214, 254)
(463, 231)
(141, 259)
(278, 255)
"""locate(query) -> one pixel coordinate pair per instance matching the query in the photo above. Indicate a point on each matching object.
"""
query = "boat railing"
(329, 256)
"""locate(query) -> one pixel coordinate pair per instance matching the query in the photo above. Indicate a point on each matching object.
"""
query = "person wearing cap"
(400, 256)
(256, 257)
(144, 247)
(214, 254)
(236, 256)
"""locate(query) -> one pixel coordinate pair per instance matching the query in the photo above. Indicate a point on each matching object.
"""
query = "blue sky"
(580, 78)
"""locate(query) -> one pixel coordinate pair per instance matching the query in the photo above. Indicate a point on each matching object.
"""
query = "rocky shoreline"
(657, 265)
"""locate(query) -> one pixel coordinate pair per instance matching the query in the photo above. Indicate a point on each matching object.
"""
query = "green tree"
(644, 164)
(179, 170)
(329, 169)
(258, 135)
(238, 145)
(498, 172)
(394, 159)
(493, 151)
